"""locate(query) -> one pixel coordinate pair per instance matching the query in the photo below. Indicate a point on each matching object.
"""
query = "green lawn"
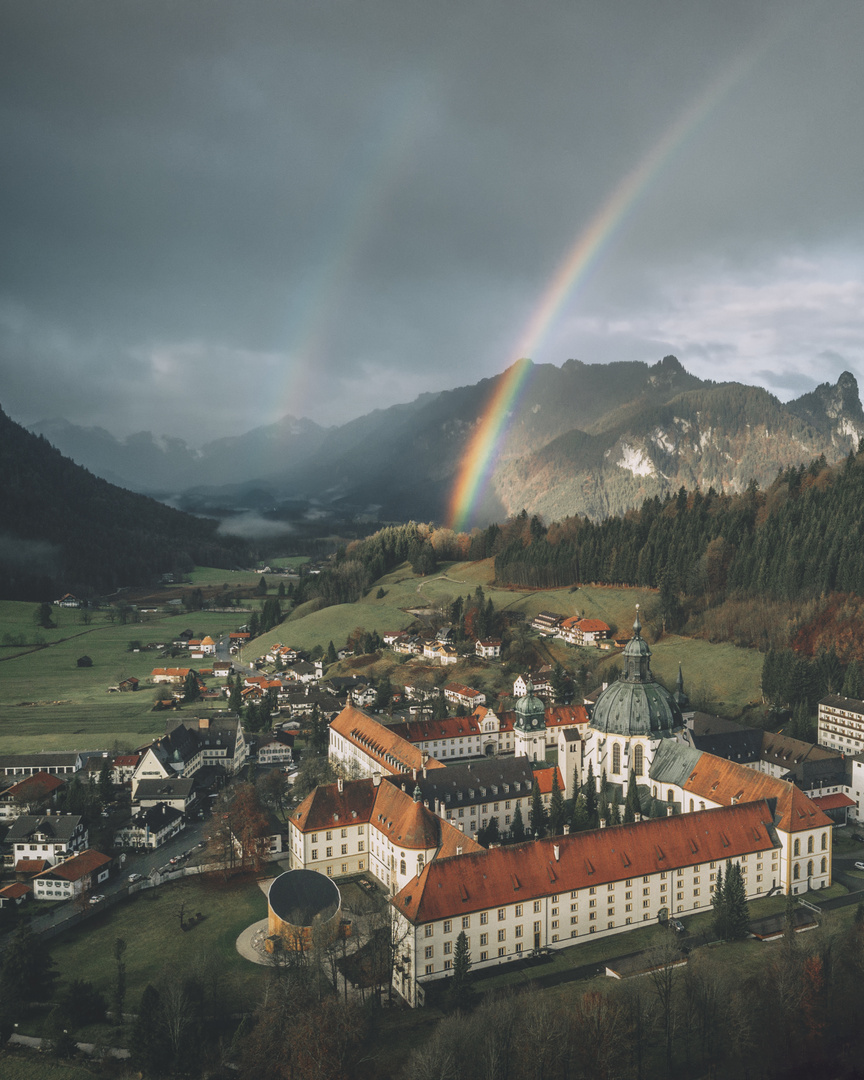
(155, 944)
(29, 1065)
(48, 703)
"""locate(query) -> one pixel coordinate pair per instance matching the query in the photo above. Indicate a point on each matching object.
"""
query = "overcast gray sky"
(215, 213)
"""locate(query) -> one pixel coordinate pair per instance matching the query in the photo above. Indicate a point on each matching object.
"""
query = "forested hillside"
(65, 529)
(799, 538)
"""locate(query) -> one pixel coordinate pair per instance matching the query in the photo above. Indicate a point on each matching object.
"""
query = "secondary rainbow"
(480, 455)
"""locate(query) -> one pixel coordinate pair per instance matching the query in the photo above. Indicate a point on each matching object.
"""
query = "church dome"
(636, 704)
(530, 710)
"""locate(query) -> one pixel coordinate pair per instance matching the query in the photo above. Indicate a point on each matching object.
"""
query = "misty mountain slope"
(721, 436)
(64, 528)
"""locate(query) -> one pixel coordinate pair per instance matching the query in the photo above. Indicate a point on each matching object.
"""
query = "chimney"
(602, 823)
(557, 849)
(424, 757)
(670, 810)
(414, 774)
(458, 850)
(566, 829)
(341, 784)
(203, 723)
(376, 779)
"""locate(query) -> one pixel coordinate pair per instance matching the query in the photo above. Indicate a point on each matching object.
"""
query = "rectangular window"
(646, 892)
(679, 896)
(592, 915)
(484, 918)
(536, 905)
(628, 907)
(574, 919)
(591, 891)
(344, 867)
(448, 948)
(361, 846)
(328, 853)
(344, 849)
(484, 956)
(519, 930)
(466, 921)
(484, 939)
(428, 929)
(329, 835)
(502, 935)
(537, 927)
(502, 914)
(314, 853)
(448, 964)
(448, 926)
(646, 903)
(502, 951)
(430, 968)
(518, 946)
(314, 837)
(343, 833)
(628, 896)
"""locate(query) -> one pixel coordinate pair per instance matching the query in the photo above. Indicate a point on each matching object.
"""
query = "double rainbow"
(479, 458)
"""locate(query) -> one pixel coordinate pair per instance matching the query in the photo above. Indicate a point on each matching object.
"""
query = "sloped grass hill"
(65, 529)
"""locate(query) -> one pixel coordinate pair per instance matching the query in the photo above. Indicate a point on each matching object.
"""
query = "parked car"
(859, 865)
(677, 926)
(135, 877)
(96, 898)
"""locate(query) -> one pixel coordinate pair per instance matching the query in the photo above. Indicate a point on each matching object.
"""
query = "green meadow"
(48, 703)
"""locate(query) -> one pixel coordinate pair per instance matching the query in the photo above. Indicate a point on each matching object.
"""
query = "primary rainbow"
(479, 458)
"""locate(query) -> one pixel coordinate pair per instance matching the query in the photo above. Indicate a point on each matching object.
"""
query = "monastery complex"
(421, 794)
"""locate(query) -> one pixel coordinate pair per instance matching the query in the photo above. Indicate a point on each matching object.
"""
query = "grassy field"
(48, 703)
(155, 944)
(27, 1065)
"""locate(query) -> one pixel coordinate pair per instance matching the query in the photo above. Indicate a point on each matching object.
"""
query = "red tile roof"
(30, 866)
(78, 866)
(450, 727)
(544, 779)
(505, 875)
(727, 782)
(392, 811)
(16, 890)
(832, 802)
(389, 749)
(39, 782)
(461, 689)
(593, 626)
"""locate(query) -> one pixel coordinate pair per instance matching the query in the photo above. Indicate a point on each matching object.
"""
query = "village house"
(276, 749)
(29, 795)
(466, 696)
(15, 894)
(76, 875)
(489, 648)
(546, 623)
(51, 837)
(178, 792)
(584, 632)
(152, 827)
(190, 746)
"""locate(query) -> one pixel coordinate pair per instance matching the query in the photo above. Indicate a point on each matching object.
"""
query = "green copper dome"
(530, 711)
(636, 704)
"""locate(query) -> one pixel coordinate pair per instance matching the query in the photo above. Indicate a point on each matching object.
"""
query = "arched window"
(809, 845)
(402, 867)
(824, 865)
(420, 863)
(824, 841)
(796, 848)
(616, 758)
(691, 806)
(670, 795)
(654, 791)
(796, 872)
(810, 868)
(637, 760)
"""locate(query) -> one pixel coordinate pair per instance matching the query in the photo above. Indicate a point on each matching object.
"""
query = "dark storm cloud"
(215, 213)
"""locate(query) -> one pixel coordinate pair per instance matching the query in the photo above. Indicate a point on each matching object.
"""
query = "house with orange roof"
(173, 676)
(361, 746)
(76, 875)
(556, 892)
(488, 648)
(459, 694)
(29, 794)
(15, 894)
(374, 825)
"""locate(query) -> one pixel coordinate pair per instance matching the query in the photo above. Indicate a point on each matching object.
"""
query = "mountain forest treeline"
(65, 529)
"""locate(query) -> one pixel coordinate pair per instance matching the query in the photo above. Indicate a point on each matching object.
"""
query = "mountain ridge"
(593, 439)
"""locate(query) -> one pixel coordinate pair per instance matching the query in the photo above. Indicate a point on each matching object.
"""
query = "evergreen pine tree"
(580, 820)
(603, 798)
(615, 814)
(538, 812)
(737, 913)
(631, 804)
(460, 988)
(556, 807)
(148, 1046)
(718, 903)
(517, 827)
(852, 681)
(106, 788)
(331, 653)
(190, 686)
(590, 791)
(235, 696)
